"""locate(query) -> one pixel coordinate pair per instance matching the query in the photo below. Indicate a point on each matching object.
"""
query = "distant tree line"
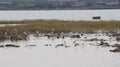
(57, 4)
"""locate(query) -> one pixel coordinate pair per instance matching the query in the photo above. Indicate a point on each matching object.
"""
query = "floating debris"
(75, 36)
(48, 45)
(11, 45)
(104, 44)
(1, 46)
(116, 45)
(30, 45)
(59, 45)
(115, 50)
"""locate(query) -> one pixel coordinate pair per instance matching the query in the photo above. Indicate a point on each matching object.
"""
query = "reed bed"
(46, 26)
(20, 32)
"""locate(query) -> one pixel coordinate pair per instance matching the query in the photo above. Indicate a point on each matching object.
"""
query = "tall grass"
(45, 26)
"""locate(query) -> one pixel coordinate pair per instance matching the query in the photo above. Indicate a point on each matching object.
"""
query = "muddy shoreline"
(100, 39)
(96, 33)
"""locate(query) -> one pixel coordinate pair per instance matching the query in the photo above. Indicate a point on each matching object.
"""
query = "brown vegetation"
(55, 26)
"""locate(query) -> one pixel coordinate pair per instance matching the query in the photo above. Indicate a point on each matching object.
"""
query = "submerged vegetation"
(27, 27)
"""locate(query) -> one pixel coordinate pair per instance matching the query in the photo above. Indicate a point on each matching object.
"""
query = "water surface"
(61, 14)
(84, 55)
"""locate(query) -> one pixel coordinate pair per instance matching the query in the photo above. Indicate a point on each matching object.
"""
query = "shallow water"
(4, 25)
(61, 14)
(84, 55)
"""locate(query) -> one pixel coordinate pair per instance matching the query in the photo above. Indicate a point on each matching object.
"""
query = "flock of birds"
(78, 37)
(85, 37)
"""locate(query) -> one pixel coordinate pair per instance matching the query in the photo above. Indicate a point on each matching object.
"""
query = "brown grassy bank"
(47, 26)
(60, 26)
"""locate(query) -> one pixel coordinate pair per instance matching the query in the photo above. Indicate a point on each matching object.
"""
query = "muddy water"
(84, 55)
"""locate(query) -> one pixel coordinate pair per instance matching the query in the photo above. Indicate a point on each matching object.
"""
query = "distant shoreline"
(58, 9)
